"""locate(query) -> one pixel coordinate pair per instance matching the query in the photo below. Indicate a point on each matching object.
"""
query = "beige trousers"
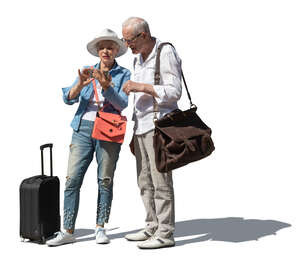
(156, 188)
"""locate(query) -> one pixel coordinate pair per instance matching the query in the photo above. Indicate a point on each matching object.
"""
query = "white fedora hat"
(106, 34)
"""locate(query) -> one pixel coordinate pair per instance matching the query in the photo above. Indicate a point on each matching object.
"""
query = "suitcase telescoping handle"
(42, 147)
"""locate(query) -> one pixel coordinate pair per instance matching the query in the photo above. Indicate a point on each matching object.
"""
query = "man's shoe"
(156, 242)
(101, 237)
(139, 236)
(61, 239)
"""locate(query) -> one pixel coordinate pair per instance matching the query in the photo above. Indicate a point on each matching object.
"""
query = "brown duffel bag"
(180, 137)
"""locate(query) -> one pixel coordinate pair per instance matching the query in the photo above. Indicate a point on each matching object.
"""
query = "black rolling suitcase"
(39, 204)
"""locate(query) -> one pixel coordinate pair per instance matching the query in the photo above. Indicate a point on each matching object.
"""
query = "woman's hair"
(138, 24)
(111, 41)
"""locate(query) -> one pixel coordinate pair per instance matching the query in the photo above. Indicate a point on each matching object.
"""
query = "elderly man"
(156, 188)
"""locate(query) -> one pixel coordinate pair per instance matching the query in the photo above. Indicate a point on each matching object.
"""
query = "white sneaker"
(156, 242)
(139, 236)
(101, 237)
(61, 239)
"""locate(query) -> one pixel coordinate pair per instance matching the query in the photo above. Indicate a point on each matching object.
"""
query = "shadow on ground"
(222, 229)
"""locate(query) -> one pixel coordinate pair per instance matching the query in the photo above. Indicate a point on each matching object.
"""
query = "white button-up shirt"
(168, 90)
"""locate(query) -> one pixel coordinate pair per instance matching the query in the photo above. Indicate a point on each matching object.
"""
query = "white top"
(92, 108)
(168, 90)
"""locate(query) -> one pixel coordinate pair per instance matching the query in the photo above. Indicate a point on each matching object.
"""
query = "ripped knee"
(72, 183)
(106, 182)
(68, 181)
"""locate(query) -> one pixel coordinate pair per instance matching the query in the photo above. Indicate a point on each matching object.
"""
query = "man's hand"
(131, 86)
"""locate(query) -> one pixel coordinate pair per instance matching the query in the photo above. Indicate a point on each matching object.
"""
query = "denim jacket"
(114, 95)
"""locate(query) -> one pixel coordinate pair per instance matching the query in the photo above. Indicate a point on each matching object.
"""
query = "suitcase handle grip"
(42, 147)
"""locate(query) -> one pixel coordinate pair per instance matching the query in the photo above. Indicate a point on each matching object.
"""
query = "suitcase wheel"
(43, 240)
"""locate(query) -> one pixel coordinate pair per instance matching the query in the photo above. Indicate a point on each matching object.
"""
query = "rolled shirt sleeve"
(170, 88)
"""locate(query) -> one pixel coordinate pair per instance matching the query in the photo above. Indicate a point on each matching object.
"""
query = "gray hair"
(138, 24)
(113, 43)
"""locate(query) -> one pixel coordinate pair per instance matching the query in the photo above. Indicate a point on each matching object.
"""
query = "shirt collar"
(152, 54)
(115, 67)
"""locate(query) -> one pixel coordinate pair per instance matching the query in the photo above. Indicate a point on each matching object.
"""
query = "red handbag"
(109, 127)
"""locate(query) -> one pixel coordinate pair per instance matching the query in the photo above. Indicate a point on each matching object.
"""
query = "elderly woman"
(109, 78)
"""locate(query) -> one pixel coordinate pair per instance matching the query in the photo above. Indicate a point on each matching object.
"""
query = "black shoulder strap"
(157, 77)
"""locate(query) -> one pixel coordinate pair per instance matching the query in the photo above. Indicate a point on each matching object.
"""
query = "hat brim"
(92, 46)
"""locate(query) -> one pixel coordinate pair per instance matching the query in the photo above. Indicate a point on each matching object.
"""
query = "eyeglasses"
(129, 41)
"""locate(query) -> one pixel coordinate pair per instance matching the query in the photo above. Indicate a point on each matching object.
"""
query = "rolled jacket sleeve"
(66, 91)
(170, 88)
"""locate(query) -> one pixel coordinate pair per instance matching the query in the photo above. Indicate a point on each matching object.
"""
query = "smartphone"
(106, 73)
(90, 71)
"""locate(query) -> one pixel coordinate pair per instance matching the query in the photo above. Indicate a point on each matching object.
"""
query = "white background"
(241, 62)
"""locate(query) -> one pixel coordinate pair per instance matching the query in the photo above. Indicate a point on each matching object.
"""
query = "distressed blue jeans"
(82, 150)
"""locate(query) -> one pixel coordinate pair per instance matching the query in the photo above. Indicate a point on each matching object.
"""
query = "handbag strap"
(96, 93)
(157, 79)
(95, 90)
